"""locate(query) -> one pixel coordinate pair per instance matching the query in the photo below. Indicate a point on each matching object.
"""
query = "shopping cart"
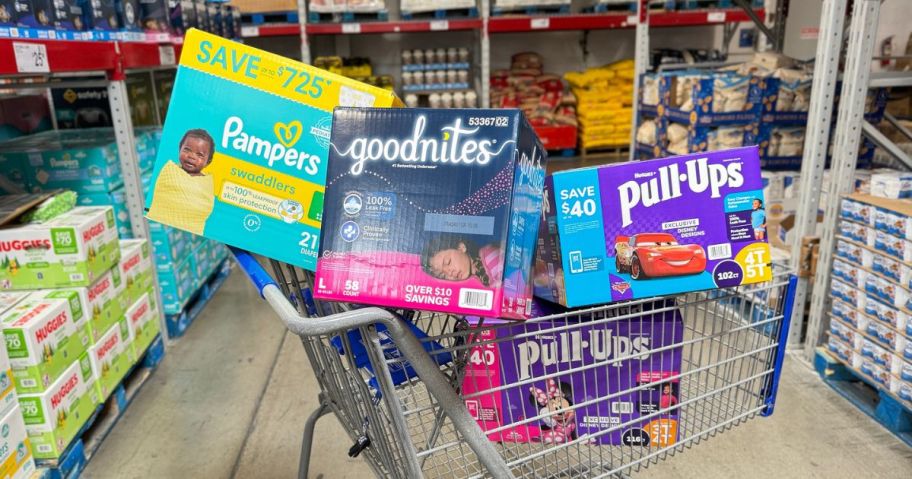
(408, 386)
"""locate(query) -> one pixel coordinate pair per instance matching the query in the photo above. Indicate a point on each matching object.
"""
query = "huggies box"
(432, 209)
(649, 228)
(243, 153)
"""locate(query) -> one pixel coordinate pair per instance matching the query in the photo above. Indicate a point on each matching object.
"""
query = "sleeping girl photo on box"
(455, 258)
(183, 194)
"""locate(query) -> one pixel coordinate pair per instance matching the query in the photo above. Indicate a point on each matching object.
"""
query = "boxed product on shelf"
(885, 214)
(359, 6)
(786, 94)
(100, 15)
(857, 232)
(711, 98)
(136, 268)
(81, 107)
(43, 337)
(419, 6)
(8, 299)
(855, 253)
(70, 250)
(215, 18)
(232, 21)
(202, 15)
(510, 5)
(102, 303)
(650, 95)
(627, 351)
(53, 417)
(24, 115)
(651, 138)
(468, 181)
(632, 230)
(850, 273)
(249, 173)
(898, 319)
(886, 290)
(844, 332)
(128, 12)
(892, 184)
(604, 104)
(111, 356)
(8, 397)
(16, 461)
(682, 139)
(66, 15)
(177, 285)
(169, 245)
(541, 97)
(258, 6)
(898, 248)
(144, 325)
(842, 351)
(154, 16)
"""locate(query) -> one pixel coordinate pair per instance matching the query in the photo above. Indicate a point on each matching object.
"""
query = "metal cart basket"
(415, 389)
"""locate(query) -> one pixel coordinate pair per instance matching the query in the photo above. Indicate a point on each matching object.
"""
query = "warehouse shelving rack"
(43, 64)
(850, 127)
(639, 21)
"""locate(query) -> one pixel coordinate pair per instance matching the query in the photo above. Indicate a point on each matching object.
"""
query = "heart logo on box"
(288, 134)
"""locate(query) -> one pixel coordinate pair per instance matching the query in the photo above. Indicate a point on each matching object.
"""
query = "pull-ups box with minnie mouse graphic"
(624, 388)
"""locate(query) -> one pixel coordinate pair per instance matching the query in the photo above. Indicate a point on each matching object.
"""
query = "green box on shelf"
(136, 268)
(111, 357)
(144, 324)
(53, 417)
(43, 337)
(102, 302)
(70, 250)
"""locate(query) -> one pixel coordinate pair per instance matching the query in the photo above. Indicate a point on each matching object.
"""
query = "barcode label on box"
(475, 298)
(622, 408)
(720, 251)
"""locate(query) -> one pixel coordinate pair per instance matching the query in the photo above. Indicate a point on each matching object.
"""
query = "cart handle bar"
(405, 340)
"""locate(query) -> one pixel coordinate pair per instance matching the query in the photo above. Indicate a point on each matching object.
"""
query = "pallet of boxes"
(604, 108)
(79, 313)
(870, 327)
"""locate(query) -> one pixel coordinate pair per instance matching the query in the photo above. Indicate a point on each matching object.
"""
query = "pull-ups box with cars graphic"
(650, 228)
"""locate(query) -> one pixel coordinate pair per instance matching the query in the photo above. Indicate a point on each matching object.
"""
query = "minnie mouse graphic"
(560, 420)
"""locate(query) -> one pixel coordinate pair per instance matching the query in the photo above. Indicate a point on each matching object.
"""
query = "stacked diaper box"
(691, 111)
(15, 447)
(709, 110)
(68, 288)
(183, 263)
(84, 161)
(870, 329)
(651, 123)
(783, 122)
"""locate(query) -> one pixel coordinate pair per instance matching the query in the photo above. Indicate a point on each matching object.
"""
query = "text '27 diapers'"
(243, 154)
(432, 209)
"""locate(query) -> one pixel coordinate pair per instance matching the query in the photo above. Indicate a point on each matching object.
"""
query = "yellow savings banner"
(243, 153)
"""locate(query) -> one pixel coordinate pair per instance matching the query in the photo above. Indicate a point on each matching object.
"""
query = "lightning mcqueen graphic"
(657, 254)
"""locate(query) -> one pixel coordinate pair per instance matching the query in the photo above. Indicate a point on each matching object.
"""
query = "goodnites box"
(432, 209)
(650, 228)
(243, 154)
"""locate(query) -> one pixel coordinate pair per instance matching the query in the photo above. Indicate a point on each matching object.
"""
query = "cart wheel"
(636, 270)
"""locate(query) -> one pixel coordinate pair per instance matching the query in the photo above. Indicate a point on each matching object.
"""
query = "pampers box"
(72, 249)
(649, 228)
(53, 417)
(607, 357)
(432, 209)
(243, 154)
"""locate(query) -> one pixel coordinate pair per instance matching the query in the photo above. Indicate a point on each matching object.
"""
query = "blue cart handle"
(251, 266)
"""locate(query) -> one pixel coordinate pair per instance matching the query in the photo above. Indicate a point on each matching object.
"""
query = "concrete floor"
(231, 398)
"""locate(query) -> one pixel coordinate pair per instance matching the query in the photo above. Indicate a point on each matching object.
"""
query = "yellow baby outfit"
(181, 199)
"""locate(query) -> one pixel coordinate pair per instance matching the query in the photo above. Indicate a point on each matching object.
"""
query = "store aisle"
(232, 396)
